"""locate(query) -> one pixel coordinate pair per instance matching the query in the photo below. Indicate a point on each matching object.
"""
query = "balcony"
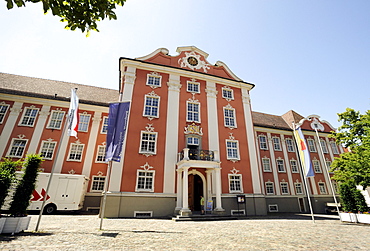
(198, 154)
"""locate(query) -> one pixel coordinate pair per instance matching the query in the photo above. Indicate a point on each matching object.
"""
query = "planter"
(363, 218)
(348, 217)
(14, 225)
(2, 223)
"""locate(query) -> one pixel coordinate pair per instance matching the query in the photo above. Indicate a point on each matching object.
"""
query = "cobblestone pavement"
(81, 232)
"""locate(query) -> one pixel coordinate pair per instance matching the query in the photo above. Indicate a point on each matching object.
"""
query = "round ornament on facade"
(192, 61)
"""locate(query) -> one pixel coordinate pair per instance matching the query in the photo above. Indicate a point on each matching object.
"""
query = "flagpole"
(52, 170)
(327, 170)
(305, 181)
(106, 189)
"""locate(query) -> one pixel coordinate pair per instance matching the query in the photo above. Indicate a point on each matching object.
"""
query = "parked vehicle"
(66, 192)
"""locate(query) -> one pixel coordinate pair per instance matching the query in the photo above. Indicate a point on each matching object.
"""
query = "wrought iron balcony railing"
(197, 154)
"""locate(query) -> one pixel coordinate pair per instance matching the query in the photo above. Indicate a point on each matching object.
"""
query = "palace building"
(191, 132)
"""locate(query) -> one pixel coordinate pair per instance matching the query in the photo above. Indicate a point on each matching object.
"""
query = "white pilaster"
(251, 142)
(172, 127)
(117, 167)
(179, 190)
(185, 200)
(9, 125)
(39, 128)
(213, 139)
(273, 164)
(89, 157)
(218, 190)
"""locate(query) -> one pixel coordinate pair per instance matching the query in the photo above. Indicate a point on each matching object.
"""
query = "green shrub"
(7, 176)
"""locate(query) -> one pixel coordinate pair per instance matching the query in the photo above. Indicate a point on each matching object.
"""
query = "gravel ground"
(81, 232)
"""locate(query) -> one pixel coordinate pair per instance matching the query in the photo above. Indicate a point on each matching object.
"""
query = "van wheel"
(50, 209)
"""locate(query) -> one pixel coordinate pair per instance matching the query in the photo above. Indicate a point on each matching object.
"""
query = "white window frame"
(47, 149)
(190, 85)
(16, 148)
(146, 151)
(76, 152)
(328, 165)
(234, 182)
(294, 164)
(3, 110)
(311, 145)
(269, 185)
(98, 182)
(151, 107)
(232, 149)
(280, 165)
(273, 208)
(316, 166)
(276, 143)
(334, 147)
(266, 163)
(104, 125)
(298, 188)
(100, 154)
(192, 113)
(145, 177)
(290, 145)
(82, 125)
(230, 121)
(284, 188)
(58, 120)
(323, 146)
(193, 141)
(229, 91)
(263, 145)
(322, 188)
(26, 118)
(158, 79)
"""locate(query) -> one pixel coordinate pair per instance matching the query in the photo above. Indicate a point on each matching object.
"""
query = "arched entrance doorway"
(195, 190)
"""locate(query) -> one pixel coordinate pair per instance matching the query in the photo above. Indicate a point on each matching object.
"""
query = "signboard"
(240, 199)
(209, 206)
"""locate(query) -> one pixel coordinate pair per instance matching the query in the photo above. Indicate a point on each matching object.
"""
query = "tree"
(353, 166)
(79, 14)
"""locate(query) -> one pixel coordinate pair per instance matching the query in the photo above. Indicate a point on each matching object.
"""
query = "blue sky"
(309, 56)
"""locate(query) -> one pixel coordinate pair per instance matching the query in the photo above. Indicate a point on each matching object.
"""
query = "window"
(235, 183)
(316, 166)
(334, 147)
(227, 93)
(284, 188)
(83, 123)
(193, 112)
(263, 142)
(298, 188)
(29, 116)
(266, 165)
(280, 165)
(3, 110)
(148, 142)
(56, 119)
(229, 116)
(328, 165)
(104, 128)
(269, 188)
(193, 87)
(47, 149)
(322, 188)
(311, 145)
(276, 141)
(273, 208)
(323, 146)
(151, 107)
(154, 80)
(98, 183)
(294, 166)
(232, 149)
(17, 148)
(193, 141)
(289, 144)
(75, 153)
(100, 156)
(145, 180)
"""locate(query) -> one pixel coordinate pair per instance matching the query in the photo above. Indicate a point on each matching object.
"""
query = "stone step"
(204, 218)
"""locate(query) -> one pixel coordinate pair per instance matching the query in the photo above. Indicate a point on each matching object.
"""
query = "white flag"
(73, 117)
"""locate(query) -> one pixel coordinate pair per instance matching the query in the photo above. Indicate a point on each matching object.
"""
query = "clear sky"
(309, 56)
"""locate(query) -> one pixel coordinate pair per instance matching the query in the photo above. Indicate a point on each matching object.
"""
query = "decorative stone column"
(179, 191)
(185, 211)
(218, 208)
(209, 185)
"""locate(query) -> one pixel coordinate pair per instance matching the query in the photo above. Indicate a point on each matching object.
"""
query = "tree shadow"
(11, 237)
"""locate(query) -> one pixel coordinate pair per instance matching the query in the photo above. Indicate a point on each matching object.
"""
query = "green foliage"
(7, 176)
(354, 134)
(79, 14)
(352, 199)
(26, 185)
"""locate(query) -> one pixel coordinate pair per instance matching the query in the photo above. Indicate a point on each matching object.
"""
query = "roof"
(270, 121)
(51, 89)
